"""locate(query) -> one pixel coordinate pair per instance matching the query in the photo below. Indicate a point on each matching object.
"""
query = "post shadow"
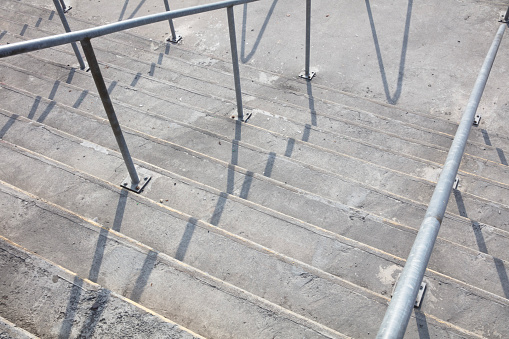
(394, 98)
(270, 165)
(72, 307)
(34, 108)
(96, 310)
(186, 239)
(230, 180)
(119, 213)
(38, 23)
(8, 125)
(82, 97)
(2, 34)
(70, 76)
(243, 56)
(136, 9)
(93, 274)
(481, 244)
(486, 137)
(112, 86)
(146, 270)
(54, 89)
(46, 112)
(289, 147)
(422, 325)
(502, 157)
(23, 30)
(311, 104)
(135, 80)
(122, 12)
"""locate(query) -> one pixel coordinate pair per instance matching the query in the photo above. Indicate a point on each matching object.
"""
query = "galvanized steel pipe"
(110, 111)
(308, 39)
(61, 14)
(61, 39)
(235, 61)
(400, 308)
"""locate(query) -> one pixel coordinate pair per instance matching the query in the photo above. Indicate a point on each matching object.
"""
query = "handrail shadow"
(243, 56)
(394, 98)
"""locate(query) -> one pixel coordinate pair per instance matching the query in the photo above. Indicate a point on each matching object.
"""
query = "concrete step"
(261, 83)
(332, 160)
(267, 146)
(304, 130)
(53, 302)
(10, 331)
(315, 247)
(209, 306)
(316, 294)
(404, 210)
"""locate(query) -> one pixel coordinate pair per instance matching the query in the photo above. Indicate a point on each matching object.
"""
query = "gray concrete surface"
(52, 302)
(421, 56)
(324, 187)
(9, 330)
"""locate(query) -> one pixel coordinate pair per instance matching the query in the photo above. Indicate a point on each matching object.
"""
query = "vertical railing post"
(135, 184)
(307, 74)
(235, 61)
(61, 14)
(174, 37)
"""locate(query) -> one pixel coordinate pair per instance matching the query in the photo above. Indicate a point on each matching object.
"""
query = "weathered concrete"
(312, 204)
(51, 302)
(10, 331)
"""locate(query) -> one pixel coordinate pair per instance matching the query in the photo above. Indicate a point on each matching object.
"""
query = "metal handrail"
(400, 308)
(90, 33)
(84, 36)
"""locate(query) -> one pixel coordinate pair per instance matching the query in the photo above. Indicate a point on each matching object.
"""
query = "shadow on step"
(124, 8)
(394, 98)
(487, 141)
(96, 310)
(477, 228)
(243, 57)
(8, 125)
(422, 325)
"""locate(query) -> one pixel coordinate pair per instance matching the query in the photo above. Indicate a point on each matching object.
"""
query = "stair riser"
(285, 86)
(397, 129)
(230, 214)
(245, 190)
(300, 288)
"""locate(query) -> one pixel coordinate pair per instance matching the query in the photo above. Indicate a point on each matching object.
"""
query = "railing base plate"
(418, 299)
(307, 77)
(145, 177)
(177, 39)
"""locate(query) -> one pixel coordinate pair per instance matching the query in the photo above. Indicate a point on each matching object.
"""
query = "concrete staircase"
(293, 224)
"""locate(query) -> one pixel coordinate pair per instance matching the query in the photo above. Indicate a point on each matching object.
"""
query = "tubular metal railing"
(400, 308)
(85, 36)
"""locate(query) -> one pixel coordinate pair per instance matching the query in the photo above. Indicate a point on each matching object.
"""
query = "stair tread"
(302, 277)
(480, 135)
(406, 217)
(52, 301)
(300, 218)
(366, 265)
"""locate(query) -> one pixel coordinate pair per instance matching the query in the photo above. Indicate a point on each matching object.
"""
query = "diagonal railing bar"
(84, 36)
(174, 37)
(401, 305)
(235, 62)
(90, 33)
(60, 11)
